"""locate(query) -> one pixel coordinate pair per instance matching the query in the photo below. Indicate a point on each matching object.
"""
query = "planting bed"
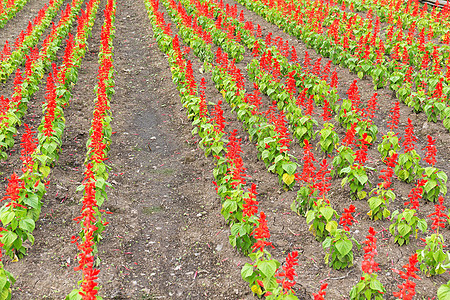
(219, 149)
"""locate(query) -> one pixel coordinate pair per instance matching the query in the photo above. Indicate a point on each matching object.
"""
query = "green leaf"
(8, 238)
(327, 212)
(267, 267)
(376, 285)
(7, 217)
(27, 224)
(344, 247)
(443, 292)
(288, 179)
(247, 271)
(32, 200)
(290, 168)
(403, 229)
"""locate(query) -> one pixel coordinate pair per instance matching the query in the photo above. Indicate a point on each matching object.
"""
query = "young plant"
(389, 145)
(345, 155)
(307, 193)
(436, 183)
(434, 260)
(356, 175)
(262, 275)
(383, 194)
(328, 138)
(240, 236)
(321, 216)
(369, 287)
(405, 224)
(340, 243)
(408, 167)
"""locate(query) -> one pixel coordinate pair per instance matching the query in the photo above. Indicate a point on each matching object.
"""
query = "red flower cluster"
(28, 144)
(288, 280)
(361, 153)
(88, 220)
(416, 194)
(347, 218)
(233, 155)
(440, 215)
(261, 234)
(203, 109)
(410, 138)
(321, 294)
(388, 172)
(431, 151)
(50, 96)
(408, 288)
(250, 206)
(369, 265)
(394, 117)
(308, 165)
(322, 179)
(350, 135)
(353, 95)
(15, 185)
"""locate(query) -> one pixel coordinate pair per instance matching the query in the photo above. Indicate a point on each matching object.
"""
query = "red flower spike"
(288, 280)
(250, 206)
(431, 151)
(394, 117)
(347, 218)
(369, 265)
(440, 216)
(321, 294)
(407, 289)
(261, 233)
(410, 138)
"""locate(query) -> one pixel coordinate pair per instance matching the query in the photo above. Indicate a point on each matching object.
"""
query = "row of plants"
(248, 231)
(96, 175)
(12, 58)
(410, 13)
(9, 10)
(358, 56)
(35, 67)
(229, 205)
(39, 154)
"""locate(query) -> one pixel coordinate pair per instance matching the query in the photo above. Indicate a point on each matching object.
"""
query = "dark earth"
(166, 238)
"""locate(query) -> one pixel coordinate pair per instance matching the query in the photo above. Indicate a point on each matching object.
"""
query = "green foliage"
(404, 224)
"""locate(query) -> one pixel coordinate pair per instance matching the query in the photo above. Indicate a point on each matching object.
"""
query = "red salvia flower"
(250, 206)
(321, 294)
(347, 218)
(361, 153)
(334, 80)
(372, 106)
(410, 138)
(307, 61)
(440, 216)
(350, 135)
(261, 234)
(288, 280)
(407, 289)
(394, 117)
(308, 165)
(369, 265)
(415, 194)
(431, 151)
(50, 96)
(322, 179)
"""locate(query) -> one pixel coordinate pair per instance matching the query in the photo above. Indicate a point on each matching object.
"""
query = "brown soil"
(167, 238)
